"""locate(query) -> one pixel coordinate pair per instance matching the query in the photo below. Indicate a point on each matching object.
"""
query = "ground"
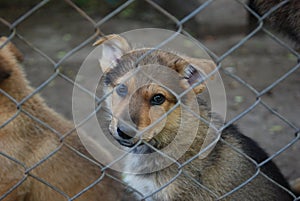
(259, 62)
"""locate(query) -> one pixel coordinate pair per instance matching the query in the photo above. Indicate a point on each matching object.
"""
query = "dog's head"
(146, 87)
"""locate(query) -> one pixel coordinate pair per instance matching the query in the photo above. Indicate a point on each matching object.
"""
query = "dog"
(285, 19)
(136, 107)
(25, 145)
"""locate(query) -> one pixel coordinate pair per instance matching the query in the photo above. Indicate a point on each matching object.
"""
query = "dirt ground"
(259, 62)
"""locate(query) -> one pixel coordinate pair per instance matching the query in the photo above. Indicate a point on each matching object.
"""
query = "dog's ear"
(12, 49)
(16, 52)
(113, 47)
(9, 56)
(195, 71)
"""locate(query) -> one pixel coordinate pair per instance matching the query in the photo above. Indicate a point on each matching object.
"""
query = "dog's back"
(236, 168)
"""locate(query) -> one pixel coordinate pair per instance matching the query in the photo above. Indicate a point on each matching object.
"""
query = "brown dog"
(29, 142)
(137, 103)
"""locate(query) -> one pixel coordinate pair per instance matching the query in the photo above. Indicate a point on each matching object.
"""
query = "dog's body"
(138, 101)
(285, 19)
(27, 141)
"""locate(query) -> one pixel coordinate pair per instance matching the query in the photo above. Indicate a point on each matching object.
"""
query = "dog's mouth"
(129, 141)
(141, 148)
(124, 139)
(126, 143)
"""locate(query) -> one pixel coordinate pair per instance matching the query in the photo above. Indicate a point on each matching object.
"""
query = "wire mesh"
(180, 25)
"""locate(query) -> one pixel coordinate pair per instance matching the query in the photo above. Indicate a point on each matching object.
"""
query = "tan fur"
(295, 185)
(219, 172)
(29, 142)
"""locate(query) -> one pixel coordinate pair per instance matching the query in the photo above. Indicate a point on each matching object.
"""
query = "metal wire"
(12, 27)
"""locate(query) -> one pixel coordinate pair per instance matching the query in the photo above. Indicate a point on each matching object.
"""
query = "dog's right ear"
(16, 52)
(12, 49)
(113, 47)
(9, 56)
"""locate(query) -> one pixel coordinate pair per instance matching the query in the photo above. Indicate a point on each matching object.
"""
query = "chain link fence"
(253, 90)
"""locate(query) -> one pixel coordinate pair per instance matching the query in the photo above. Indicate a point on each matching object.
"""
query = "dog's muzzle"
(125, 136)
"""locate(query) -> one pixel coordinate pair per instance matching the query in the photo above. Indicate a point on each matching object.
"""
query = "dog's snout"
(125, 132)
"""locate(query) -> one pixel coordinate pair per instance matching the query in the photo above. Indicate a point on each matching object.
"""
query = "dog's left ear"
(114, 46)
(195, 71)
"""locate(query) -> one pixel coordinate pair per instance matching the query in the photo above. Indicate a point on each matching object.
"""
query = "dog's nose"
(125, 132)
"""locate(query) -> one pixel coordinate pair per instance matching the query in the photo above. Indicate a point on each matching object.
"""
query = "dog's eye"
(122, 90)
(157, 99)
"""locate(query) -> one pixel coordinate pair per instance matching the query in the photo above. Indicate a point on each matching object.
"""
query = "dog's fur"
(295, 185)
(285, 19)
(221, 170)
(29, 142)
